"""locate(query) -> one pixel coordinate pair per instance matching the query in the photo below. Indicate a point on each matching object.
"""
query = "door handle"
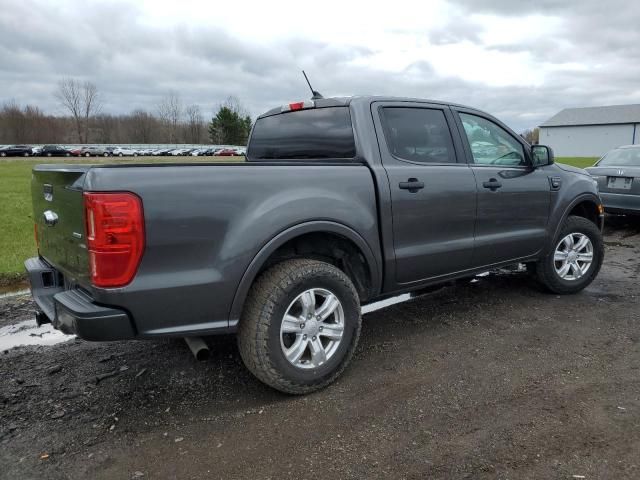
(492, 184)
(413, 185)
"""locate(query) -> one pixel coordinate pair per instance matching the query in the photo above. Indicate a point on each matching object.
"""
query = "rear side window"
(418, 134)
(316, 133)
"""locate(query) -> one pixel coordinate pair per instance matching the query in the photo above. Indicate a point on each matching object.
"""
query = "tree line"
(172, 122)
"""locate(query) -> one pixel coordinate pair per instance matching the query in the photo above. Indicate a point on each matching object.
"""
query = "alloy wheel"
(312, 328)
(573, 256)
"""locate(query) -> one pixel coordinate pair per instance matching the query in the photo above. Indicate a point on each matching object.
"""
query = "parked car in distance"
(321, 225)
(95, 151)
(16, 151)
(75, 151)
(226, 152)
(54, 151)
(618, 176)
(124, 152)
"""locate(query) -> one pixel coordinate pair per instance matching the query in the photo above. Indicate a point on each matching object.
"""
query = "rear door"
(513, 197)
(433, 190)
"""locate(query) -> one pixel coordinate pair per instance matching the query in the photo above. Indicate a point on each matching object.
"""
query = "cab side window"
(490, 143)
(418, 134)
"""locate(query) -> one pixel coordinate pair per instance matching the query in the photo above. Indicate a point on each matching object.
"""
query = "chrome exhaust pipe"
(198, 347)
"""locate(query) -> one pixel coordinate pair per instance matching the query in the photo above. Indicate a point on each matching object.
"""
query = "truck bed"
(204, 225)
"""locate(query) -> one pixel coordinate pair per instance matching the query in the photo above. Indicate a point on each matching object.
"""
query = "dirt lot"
(490, 379)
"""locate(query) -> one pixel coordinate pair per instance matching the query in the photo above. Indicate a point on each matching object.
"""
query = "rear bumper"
(621, 203)
(73, 311)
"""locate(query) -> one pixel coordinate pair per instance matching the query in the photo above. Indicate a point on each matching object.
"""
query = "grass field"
(580, 162)
(16, 231)
(16, 234)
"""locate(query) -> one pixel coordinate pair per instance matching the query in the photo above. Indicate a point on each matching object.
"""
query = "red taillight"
(114, 227)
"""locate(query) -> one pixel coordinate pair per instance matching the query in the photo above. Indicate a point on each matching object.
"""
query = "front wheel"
(576, 258)
(300, 325)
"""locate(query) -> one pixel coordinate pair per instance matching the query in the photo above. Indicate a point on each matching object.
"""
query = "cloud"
(523, 63)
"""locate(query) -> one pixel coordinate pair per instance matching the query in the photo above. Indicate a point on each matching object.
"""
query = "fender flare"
(579, 199)
(283, 237)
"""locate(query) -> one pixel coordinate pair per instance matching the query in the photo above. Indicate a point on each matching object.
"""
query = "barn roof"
(595, 116)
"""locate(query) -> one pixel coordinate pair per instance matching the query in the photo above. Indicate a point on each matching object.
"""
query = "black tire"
(259, 329)
(545, 269)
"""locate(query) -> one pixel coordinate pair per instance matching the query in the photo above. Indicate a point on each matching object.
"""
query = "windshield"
(622, 157)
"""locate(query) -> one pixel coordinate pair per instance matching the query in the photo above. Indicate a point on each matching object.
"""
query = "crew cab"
(341, 202)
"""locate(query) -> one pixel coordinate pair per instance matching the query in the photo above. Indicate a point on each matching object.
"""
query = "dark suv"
(54, 151)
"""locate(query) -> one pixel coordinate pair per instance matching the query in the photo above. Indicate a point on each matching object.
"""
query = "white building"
(591, 131)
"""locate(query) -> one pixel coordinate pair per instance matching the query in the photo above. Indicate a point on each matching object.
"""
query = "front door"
(433, 194)
(513, 197)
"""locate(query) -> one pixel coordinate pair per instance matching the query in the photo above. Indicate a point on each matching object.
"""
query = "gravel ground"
(490, 379)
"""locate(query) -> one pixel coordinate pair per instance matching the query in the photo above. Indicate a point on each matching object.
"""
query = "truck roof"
(344, 101)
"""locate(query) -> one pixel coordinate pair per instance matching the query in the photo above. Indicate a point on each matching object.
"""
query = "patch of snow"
(28, 333)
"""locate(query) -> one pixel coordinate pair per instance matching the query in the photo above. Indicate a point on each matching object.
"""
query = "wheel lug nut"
(309, 316)
(302, 325)
(320, 327)
(304, 337)
(313, 338)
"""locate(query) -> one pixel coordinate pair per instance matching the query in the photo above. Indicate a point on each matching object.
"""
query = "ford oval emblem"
(50, 218)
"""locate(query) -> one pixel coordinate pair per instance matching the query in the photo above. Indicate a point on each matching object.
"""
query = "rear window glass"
(315, 133)
(623, 157)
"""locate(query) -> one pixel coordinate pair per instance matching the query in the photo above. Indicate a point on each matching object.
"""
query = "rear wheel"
(576, 257)
(300, 325)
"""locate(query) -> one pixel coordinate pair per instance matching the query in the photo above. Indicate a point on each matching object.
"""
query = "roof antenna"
(316, 95)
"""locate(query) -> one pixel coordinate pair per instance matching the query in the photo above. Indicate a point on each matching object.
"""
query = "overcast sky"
(521, 61)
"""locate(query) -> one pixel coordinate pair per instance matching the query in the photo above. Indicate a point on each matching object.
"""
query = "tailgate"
(58, 212)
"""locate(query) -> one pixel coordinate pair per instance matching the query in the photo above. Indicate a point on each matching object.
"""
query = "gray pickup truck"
(341, 201)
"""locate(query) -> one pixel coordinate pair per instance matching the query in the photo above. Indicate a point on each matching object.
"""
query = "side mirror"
(541, 155)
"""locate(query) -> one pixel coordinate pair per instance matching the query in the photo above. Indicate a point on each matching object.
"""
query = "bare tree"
(195, 124)
(14, 125)
(82, 101)
(531, 136)
(142, 125)
(170, 112)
